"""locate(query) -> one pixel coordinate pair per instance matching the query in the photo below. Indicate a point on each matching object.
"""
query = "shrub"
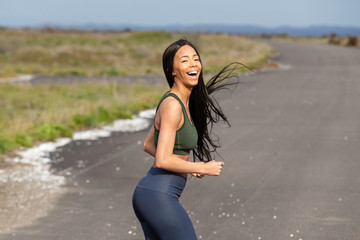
(352, 41)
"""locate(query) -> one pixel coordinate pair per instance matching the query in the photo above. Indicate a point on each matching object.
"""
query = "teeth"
(193, 72)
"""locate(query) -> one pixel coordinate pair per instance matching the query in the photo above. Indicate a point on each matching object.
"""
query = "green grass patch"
(23, 140)
(6, 145)
(50, 132)
(30, 114)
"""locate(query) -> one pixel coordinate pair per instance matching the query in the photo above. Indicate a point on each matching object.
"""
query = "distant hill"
(315, 30)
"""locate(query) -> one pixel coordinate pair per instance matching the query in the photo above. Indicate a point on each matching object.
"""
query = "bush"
(352, 41)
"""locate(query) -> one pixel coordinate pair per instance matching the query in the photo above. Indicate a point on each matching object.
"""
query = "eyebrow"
(188, 56)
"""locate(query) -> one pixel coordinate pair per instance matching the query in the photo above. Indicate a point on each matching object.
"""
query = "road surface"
(291, 162)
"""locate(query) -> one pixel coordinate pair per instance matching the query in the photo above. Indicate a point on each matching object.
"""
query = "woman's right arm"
(171, 115)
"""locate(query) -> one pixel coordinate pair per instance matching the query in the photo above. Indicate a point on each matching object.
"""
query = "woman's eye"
(184, 61)
(197, 59)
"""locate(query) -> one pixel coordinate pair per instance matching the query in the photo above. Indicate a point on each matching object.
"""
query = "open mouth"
(192, 73)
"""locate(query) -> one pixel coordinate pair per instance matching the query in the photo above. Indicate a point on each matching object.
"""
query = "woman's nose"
(193, 63)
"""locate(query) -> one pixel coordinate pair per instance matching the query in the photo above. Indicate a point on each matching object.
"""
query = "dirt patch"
(24, 196)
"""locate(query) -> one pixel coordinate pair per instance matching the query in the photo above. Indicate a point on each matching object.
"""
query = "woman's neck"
(182, 92)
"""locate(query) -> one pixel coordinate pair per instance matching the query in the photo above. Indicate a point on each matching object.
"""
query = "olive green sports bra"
(186, 136)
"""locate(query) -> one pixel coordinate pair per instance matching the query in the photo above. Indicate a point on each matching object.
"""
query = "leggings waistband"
(163, 181)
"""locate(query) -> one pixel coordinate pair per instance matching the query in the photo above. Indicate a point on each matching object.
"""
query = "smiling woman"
(187, 66)
(183, 122)
(180, 62)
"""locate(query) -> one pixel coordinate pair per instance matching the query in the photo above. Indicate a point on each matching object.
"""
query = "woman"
(183, 122)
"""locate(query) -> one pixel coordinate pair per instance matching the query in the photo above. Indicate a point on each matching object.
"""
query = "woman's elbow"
(159, 163)
(146, 146)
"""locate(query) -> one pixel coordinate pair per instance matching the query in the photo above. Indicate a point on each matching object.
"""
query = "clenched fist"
(213, 168)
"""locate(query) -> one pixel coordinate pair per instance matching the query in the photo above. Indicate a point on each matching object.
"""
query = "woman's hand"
(198, 175)
(212, 168)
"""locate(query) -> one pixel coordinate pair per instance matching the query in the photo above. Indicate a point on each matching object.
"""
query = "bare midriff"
(183, 157)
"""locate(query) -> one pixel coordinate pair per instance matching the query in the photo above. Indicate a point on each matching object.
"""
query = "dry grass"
(40, 51)
(219, 49)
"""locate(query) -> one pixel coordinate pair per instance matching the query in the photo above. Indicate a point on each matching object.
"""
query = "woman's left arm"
(149, 143)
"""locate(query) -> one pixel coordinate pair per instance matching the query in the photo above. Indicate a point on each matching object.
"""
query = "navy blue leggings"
(156, 205)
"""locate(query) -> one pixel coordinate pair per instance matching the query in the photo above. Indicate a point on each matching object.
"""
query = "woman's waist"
(163, 181)
(182, 157)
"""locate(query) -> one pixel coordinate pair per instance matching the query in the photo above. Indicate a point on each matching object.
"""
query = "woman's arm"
(171, 115)
(149, 143)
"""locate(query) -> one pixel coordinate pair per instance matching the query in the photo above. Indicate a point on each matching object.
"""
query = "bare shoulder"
(170, 109)
(170, 105)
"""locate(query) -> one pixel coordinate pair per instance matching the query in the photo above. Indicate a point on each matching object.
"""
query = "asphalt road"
(291, 162)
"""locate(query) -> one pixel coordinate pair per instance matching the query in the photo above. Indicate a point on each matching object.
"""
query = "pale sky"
(267, 13)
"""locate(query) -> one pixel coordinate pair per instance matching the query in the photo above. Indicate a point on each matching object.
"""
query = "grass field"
(59, 52)
(29, 114)
(44, 113)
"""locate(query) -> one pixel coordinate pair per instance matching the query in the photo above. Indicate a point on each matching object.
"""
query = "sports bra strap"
(176, 97)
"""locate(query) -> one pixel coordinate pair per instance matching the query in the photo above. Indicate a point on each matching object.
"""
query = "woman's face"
(187, 66)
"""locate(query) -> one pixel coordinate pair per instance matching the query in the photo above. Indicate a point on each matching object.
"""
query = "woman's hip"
(163, 181)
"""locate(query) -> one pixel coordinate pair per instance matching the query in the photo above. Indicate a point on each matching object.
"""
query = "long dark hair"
(204, 109)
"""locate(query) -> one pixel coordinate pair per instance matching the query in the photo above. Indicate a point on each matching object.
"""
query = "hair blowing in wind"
(204, 108)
